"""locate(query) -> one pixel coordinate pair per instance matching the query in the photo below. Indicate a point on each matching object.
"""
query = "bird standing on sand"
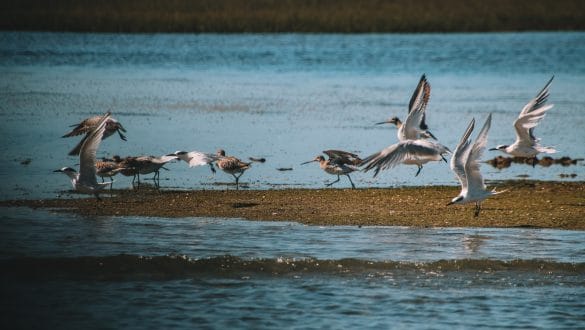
(339, 163)
(152, 164)
(136, 165)
(85, 180)
(526, 144)
(231, 165)
(112, 126)
(108, 168)
(465, 165)
(414, 127)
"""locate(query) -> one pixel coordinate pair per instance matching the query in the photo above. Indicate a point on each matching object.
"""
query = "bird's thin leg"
(156, 179)
(419, 168)
(534, 161)
(121, 135)
(237, 181)
(477, 209)
(352, 185)
(444, 159)
(331, 183)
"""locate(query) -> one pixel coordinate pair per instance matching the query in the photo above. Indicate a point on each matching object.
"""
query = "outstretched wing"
(420, 96)
(531, 115)
(87, 155)
(414, 123)
(196, 158)
(460, 156)
(398, 153)
(85, 126)
(474, 178)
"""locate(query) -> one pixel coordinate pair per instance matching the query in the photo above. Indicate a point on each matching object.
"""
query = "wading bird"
(339, 163)
(231, 165)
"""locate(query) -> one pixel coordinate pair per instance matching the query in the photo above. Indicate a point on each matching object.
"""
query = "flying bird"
(465, 165)
(527, 145)
(85, 180)
(87, 125)
(414, 126)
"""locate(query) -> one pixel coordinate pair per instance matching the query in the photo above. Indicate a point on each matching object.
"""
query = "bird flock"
(416, 146)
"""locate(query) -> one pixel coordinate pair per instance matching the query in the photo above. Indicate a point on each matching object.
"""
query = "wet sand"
(526, 204)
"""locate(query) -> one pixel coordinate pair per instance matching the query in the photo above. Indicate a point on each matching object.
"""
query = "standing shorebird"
(108, 168)
(231, 165)
(414, 127)
(465, 165)
(87, 125)
(136, 165)
(339, 163)
(85, 180)
(152, 164)
(526, 144)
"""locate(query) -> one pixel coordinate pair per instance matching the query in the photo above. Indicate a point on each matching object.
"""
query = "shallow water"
(285, 98)
(70, 271)
(282, 97)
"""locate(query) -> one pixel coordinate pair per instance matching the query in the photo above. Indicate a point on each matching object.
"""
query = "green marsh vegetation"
(275, 16)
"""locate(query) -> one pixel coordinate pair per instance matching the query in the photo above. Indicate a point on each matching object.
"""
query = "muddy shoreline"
(536, 204)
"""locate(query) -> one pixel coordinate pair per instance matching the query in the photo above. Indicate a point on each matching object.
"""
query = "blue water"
(285, 98)
(282, 97)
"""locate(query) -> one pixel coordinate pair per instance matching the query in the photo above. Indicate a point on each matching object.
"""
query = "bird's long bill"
(57, 171)
(492, 149)
(311, 161)
(382, 123)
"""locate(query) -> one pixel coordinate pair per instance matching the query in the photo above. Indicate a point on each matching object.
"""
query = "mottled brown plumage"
(231, 165)
(87, 125)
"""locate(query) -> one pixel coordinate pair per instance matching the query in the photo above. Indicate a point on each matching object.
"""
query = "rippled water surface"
(285, 98)
(71, 272)
(282, 97)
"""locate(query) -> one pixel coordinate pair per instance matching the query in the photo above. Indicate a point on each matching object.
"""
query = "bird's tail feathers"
(546, 150)
(102, 185)
(494, 192)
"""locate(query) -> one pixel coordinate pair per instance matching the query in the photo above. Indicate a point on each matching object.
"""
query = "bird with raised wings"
(527, 145)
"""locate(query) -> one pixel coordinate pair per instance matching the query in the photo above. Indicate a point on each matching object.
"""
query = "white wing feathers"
(461, 154)
(532, 113)
(196, 158)
(415, 124)
(87, 155)
(473, 174)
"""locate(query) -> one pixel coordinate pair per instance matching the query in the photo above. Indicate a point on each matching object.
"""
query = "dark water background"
(285, 98)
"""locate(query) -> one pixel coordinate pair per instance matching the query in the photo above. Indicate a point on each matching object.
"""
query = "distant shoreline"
(292, 16)
(538, 204)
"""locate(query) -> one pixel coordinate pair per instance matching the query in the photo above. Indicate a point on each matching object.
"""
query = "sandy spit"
(526, 204)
